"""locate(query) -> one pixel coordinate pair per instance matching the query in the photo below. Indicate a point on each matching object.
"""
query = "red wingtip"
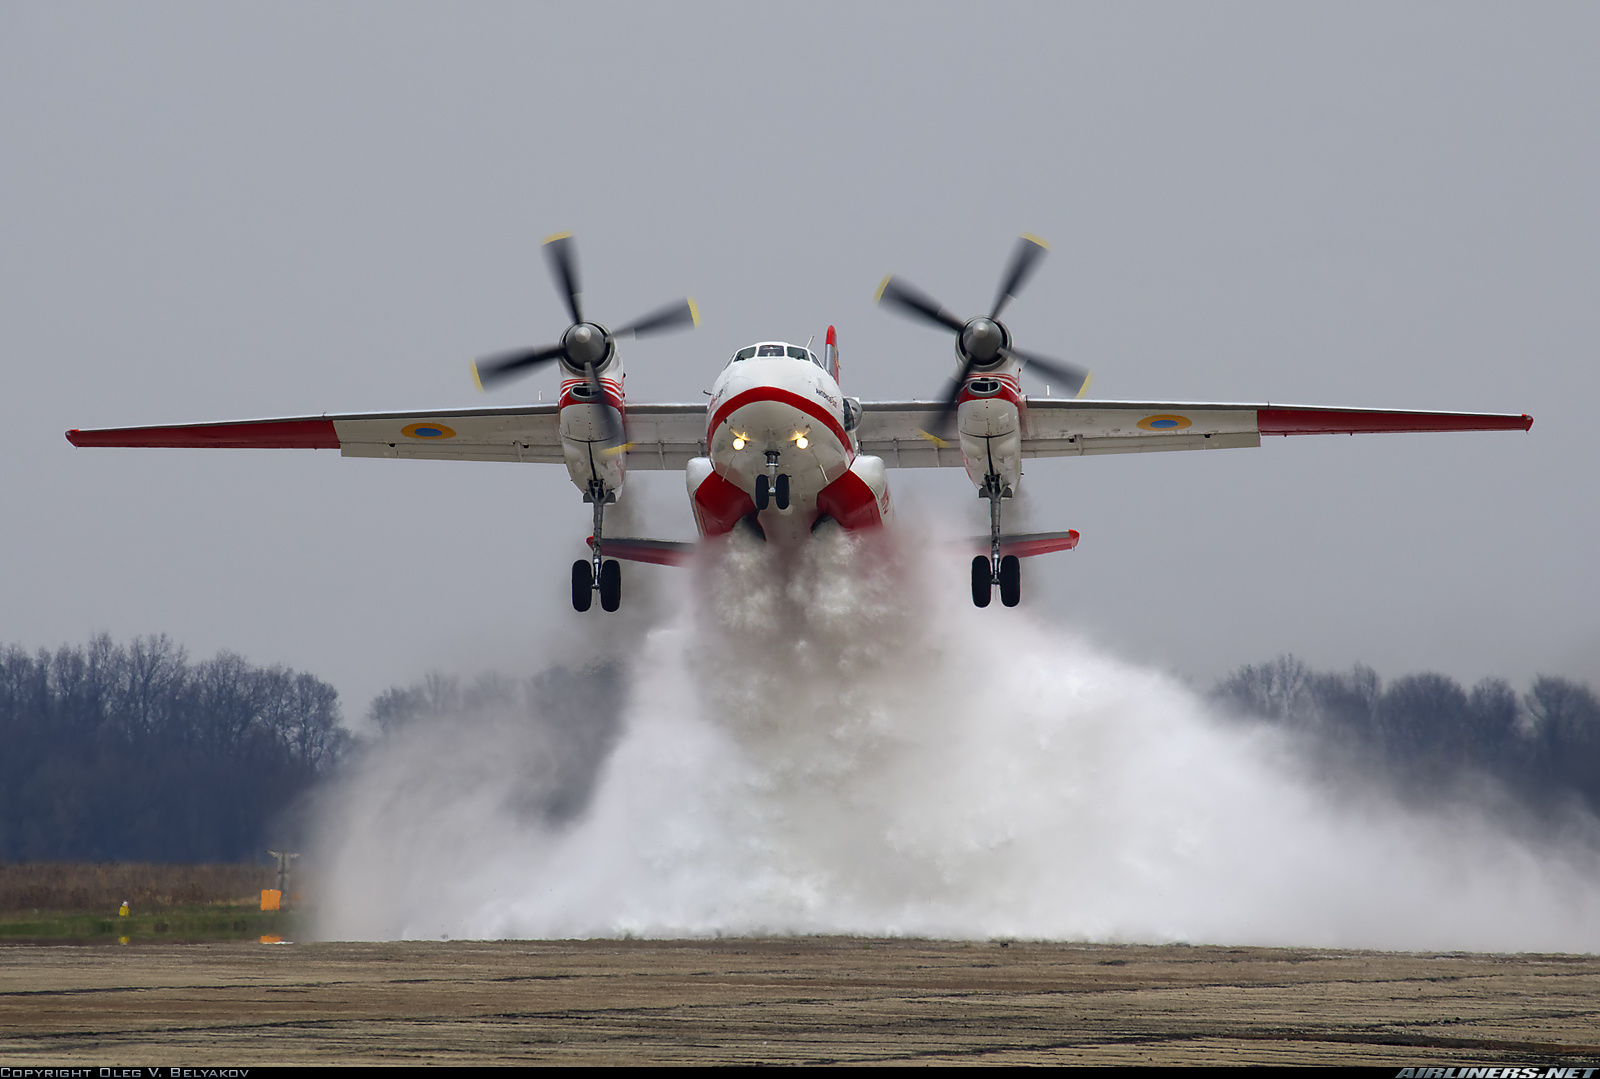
(832, 338)
(309, 434)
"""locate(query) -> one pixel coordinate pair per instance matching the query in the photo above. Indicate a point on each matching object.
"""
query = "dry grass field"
(788, 1001)
(59, 902)
(101, 887)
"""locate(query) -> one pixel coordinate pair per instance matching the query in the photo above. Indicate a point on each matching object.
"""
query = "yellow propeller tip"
(554, 236)
(878, 296)
(694, 312)
(1032, 239)
(476, 381)
(935, 439)
(1084, 389)
(612, 451)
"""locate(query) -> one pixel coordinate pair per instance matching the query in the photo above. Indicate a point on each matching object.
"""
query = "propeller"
(585, 347)
(983, 341)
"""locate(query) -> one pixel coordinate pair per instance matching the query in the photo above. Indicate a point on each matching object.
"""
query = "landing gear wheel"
(982, 582)
(1010, 580)
(761, 493)
(582, 585)
(781, 495)
(610, 585)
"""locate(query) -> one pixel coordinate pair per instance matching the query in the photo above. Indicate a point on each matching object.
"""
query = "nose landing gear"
(773, 486)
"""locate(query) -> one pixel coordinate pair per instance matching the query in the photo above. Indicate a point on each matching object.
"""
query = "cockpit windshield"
(775, 349)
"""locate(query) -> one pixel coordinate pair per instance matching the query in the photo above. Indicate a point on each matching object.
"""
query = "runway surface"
(790, 1001)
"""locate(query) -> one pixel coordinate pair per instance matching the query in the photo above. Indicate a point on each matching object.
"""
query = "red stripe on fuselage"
(783, 397)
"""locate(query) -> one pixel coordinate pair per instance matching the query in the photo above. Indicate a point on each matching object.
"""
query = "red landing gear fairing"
(779, 450)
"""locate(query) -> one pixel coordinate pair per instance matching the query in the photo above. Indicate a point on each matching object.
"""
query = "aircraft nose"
(767, 424)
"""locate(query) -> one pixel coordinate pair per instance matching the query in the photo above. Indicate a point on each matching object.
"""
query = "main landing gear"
(595, 574)
(990, 570)
(772, 486)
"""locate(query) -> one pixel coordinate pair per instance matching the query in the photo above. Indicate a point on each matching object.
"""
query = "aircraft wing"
(660, 436)
(1053, 427)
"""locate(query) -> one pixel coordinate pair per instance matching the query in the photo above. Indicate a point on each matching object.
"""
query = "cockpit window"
(793, 353)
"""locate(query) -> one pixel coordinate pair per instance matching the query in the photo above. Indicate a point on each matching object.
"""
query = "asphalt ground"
(824, 1000)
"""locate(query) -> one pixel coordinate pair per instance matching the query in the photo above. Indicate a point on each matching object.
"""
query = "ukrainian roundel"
(1164, 423)
(427, 430)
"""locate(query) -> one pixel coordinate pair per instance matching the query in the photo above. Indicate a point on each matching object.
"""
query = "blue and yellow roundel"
(427, 430)
(1164, 422)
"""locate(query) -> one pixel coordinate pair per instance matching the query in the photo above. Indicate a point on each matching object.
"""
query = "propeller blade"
(911, 300)
(564, 264)
(942, 424)
(598, 392)
(1074, 377)
(670, 317)
(1030, 249)
(506, 365)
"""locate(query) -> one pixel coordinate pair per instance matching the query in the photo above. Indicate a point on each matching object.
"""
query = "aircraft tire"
(582, 585)
(610, 585)
(1010, 580)
(781, 495)
(761, 493)
(982, 584)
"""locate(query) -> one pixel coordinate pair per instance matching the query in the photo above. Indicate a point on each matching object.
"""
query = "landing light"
(801, 441)
(738, 443)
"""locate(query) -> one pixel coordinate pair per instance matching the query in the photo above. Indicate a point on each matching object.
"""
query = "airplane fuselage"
(777, 415)
(778, 420)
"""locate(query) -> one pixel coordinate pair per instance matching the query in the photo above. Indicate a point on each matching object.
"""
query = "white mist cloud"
(843, 744)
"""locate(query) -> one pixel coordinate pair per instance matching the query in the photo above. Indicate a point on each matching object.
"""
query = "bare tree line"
(1426, 736)
(118, 752)
(112, 752)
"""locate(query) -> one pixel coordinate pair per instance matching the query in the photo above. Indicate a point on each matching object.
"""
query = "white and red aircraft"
(779, 450)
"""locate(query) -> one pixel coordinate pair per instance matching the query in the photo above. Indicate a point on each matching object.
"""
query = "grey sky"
(222, 211)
